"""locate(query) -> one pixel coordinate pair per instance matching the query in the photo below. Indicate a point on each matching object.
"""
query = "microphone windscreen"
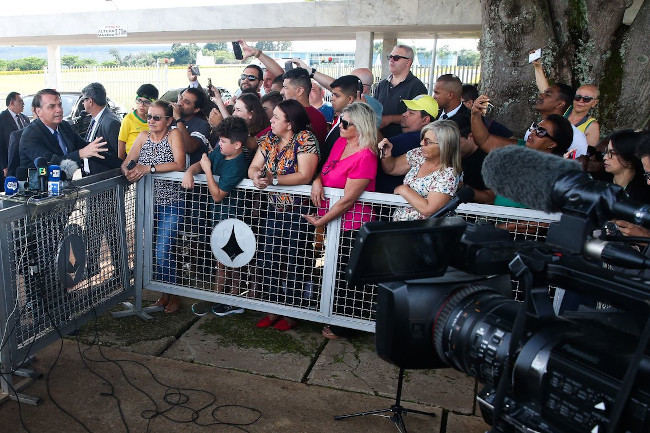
(525, 175)
(21, 173)
(69, 167)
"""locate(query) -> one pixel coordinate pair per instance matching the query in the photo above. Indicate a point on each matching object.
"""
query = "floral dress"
(443, 180)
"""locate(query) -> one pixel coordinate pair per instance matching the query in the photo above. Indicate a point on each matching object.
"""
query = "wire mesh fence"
(62, 258)
(256, 250)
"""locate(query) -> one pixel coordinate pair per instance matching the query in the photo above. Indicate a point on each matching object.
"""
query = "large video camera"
(445, 301)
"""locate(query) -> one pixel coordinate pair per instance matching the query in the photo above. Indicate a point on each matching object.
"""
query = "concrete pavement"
(231, 373)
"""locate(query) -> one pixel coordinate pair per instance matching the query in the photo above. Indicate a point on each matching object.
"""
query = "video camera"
(445, 301)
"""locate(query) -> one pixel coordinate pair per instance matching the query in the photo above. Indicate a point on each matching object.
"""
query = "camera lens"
(472, 331)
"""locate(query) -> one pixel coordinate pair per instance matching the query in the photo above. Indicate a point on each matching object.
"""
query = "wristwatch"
(275, 179)
(152, 169)
(313, 71)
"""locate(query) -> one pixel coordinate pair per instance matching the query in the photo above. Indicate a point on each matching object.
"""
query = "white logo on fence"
(233, 243)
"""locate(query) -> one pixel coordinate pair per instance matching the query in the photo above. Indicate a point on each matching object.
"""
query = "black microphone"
(23, 182)
(463, 195)
(551, 183)
(41, 164)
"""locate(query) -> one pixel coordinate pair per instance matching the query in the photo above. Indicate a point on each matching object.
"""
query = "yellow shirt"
(131, 127)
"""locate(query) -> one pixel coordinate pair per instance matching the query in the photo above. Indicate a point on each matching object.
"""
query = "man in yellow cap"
(420, 111)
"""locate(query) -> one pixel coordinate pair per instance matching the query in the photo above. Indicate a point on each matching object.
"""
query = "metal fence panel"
(63, 258)
(294, 269)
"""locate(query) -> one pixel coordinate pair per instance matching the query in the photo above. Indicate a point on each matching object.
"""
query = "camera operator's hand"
(629, 229)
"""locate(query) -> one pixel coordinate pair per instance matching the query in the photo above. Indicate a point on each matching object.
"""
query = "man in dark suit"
(448, 91)
(11, 120)
(104, 124)
(50, 136)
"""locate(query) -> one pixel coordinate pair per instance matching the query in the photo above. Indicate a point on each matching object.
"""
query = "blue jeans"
(167, 219)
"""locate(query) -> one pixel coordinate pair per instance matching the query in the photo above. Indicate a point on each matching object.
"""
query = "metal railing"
(290, 268)
(62, 260)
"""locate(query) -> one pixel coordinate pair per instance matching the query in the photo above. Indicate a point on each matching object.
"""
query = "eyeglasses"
(610, 153)
(540, 131)
(396, 57)
(330, 166)
(578, 97)
(427, 142)
(249, 77)
(346, 124)
(156, 118)
(143, 101)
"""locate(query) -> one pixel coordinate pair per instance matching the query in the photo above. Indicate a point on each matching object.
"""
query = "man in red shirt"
(297, 85)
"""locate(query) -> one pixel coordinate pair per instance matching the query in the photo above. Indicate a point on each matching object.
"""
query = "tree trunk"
(582, 41)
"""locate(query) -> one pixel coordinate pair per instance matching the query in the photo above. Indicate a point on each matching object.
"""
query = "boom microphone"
(550, 183)
(525, 175)
(463, 195)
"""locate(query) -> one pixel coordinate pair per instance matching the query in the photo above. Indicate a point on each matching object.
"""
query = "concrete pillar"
(54, 67)
(363, 51)
(389, 43)
(432, 73)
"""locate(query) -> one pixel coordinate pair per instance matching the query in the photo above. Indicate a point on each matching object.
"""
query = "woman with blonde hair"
(432, 170)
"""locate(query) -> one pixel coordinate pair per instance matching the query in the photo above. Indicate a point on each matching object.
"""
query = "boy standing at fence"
(226, 161)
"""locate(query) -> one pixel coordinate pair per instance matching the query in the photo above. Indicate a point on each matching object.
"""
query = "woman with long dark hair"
(287, 155)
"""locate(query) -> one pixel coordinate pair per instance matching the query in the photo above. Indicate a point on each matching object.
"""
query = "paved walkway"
(231, 372)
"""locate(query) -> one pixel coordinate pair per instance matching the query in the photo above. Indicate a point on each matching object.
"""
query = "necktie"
(19, 122)
(60, 141)
(90, 130)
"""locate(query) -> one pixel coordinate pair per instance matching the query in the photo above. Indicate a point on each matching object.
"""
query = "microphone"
(23, 183)
(54, 180)
(550, 183)
(11, 185)
(463, 195)
(68, 169)
(616, 254)
(41, 164)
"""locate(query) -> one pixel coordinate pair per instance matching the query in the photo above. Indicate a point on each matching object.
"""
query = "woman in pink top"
(351, 166)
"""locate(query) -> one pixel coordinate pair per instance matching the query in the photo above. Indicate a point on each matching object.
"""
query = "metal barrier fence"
(62, 260)
(120, 82)
(289, 267)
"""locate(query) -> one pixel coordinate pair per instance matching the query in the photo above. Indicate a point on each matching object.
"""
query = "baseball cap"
(423, 103)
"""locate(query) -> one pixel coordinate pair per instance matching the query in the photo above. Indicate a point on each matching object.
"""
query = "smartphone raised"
(195, 70)
(236, 48)
(535, 55)
(210, 89)
(288, 65)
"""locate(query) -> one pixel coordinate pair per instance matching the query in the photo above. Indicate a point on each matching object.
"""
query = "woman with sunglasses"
(286, 156)
(351, 166)
(160, 150)
(432, 170)
(585, 99)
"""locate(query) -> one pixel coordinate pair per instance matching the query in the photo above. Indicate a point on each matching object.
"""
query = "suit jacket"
(463, 120)
(7, 126)
(37, 140)
(109, 128)
(14, 156)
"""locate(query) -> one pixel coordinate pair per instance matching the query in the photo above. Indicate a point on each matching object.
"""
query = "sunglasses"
(143, 101)
(346, 124)
(540, 131)
(396, 58)
(249, 77)
(156, 118)
(578, 97)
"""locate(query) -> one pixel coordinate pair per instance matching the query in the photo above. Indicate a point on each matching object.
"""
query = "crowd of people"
(390, 137)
